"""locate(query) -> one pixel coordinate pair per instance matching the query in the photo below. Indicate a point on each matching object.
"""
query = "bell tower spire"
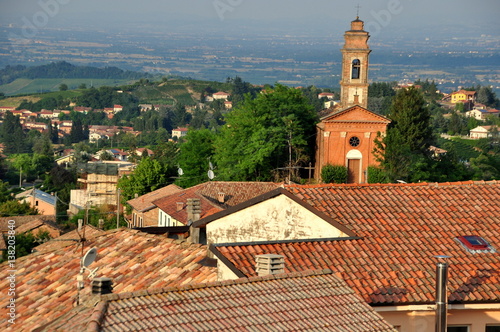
(355, 54)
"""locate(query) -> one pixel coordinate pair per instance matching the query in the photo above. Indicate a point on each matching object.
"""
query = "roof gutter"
(432, 307)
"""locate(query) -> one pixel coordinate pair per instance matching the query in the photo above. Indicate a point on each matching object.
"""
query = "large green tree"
(12, 134)
(149, 175)
(274, 131)
(404, 151)
(194, 157)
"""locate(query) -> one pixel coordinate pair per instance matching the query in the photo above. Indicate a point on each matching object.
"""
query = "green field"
(28, 86)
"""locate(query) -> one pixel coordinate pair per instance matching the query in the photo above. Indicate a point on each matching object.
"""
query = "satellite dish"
(211, 174)
(180, 171)
(89, 257)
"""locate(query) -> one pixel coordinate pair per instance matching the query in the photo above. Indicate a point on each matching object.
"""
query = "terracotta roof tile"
(145, 201)
(69, 238)
(306, 301)
(46, 281)
(234, 193)
(3, 245)
(34, 224)
(21, 220)
(396, 249)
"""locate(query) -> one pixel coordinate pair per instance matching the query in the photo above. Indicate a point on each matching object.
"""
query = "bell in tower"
(355, 53)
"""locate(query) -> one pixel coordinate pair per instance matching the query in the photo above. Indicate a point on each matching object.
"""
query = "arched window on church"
(356, 68)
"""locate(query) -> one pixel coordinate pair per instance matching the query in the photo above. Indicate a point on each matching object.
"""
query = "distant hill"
(65, 70)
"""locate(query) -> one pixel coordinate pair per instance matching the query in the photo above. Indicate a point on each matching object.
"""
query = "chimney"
(136, 195)
(102, 286)
(80, 224)
(180, 205)
(193, 214)
(441, 296)
(221, 197)
(269, 264)
(101, 223)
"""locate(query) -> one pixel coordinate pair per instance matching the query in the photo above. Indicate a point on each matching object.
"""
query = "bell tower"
(355, 53)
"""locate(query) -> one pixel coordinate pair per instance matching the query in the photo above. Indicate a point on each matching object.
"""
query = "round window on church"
(354, 141)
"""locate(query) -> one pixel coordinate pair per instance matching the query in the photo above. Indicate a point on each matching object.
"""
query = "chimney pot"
(102, 286)
(221, 197)
(269, 264)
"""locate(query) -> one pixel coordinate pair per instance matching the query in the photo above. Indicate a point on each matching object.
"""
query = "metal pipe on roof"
(441, 296)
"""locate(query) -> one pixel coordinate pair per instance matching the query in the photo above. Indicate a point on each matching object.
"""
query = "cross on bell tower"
(355, 54)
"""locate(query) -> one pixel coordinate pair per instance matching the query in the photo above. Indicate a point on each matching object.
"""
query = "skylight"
(474, 242)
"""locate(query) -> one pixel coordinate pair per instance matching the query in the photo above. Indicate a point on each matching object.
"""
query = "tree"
(15, 208)
(376, 175)
(106, 155)
(485, 168)
(408, 137)
(25, 243)
(77, 133)
(274, 131)
(149, 175)
(63, 87)
(334, 174)
(486, 96)
(43, 145)
(194, 157)
(12, 134)
(180, 116)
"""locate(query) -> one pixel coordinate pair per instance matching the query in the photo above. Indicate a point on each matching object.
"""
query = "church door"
(353, 170)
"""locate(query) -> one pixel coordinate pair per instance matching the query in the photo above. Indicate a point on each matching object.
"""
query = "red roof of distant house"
(221, 93)
(180, 129)
(145, 202)
(466, 92)
(400, 228)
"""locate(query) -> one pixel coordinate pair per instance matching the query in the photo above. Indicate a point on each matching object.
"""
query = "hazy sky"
(379, 15)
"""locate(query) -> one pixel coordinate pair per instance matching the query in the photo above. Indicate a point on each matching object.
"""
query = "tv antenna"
(210, 172)
(86, 260)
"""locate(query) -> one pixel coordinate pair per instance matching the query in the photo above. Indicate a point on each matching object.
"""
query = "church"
(346, 135)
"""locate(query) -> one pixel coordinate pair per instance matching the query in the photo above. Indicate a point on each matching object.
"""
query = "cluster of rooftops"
(346, 251)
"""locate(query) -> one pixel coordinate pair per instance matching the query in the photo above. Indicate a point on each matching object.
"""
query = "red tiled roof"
(309, 301)
(46, 281)
(402, 227)
(34, 224)
(144, 202)
(234, 193)
(21, 220)
(3, 245)
(69, 238)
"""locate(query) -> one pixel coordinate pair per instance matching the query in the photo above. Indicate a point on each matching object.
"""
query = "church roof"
(354, 114)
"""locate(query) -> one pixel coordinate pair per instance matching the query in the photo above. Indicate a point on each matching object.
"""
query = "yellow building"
(463, 95)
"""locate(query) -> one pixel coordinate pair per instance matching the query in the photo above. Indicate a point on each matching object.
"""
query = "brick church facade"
(346, 135)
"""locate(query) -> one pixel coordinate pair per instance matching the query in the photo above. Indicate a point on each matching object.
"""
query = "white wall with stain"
(278, 218)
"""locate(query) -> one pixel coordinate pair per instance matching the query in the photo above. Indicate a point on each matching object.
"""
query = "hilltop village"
(261, 208)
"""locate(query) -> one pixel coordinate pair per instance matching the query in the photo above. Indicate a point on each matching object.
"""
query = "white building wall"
(278, 218)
